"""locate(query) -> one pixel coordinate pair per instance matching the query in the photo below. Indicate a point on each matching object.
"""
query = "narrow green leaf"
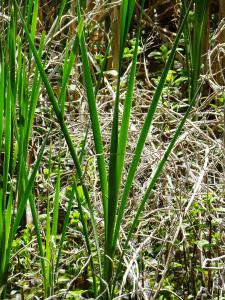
(154, 180)
(65, 224)
(34, 97)
(8, 218)
(94, 120)
(2, 99)
(33, 23)
(56, 205)
(25, 196)
(145, 129)
(68, 66)
(62, 124)
(7, 145)
(7, 227)
(123, 135)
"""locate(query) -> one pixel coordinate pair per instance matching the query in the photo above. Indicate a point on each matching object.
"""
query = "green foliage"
(17, 93)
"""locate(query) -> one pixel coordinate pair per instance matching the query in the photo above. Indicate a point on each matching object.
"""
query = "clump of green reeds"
(17, 109)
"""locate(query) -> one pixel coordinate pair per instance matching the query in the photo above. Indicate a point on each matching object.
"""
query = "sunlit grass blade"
(145, 129)
(64, 228)
(201, 13)
(23, 201)
(21, 209)
(87, 239)
(62, 124)
(62, 96)
(94, 120)
(123, 134)
(28, 12)
(34, 96)
(6, 226)
(154, 179)
(11, 44)
(103, 68)
(1, 234)
(7, 145)
(33, 23)
(69, 65)
(127, 9)
(48, 249)
(34, 19)
(20, 127)
(8, 218)
(2, 93)
(126, 15)
(74, 192)
(188, 46)
(56, 205)
(52, 99)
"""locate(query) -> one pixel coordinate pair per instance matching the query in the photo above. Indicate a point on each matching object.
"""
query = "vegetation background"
(112, 149)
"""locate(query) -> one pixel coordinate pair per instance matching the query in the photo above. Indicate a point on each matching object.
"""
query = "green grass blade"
(11, 42)
(65, 224)
(37, 231)
(87, 239)
(7, 146)
(68, 66)
(85, 231)
(103, 68)
(2, 266)
(22, 204)
(145, 130)
(113, 184)
(201, 13)
(7, 227)
(34, 97)
(23, 201)
(48, 230)
(123, 135)
(48, 248)
(40, 246)
(188, 46)
(8, 218)
(127, 9)
(94, 120)
(52, 97)
(2, 96)
(28, 12)
(155, 178)
(82, 152)
(116, 156)
(62, 96)
(33, 23)
(124, 9)
(34, 19)
(62, 124)
(56, 205)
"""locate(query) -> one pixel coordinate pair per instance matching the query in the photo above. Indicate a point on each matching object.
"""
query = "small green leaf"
(202, 243)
